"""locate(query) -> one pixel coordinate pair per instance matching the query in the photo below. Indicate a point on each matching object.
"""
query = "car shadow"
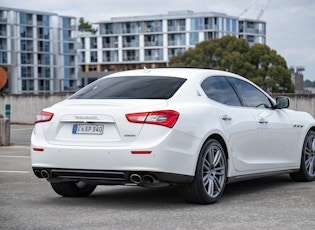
(135, 197)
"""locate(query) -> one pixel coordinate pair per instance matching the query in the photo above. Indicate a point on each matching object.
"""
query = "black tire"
(210, 176)
(73, 189)
(307, 168)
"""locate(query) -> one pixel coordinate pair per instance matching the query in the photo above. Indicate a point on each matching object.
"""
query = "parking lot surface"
(29, 203)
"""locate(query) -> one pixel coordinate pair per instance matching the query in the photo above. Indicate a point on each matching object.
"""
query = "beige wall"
(25, 107)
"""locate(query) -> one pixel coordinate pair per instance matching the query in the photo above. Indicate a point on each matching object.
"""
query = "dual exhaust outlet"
(42, 174)
(145, 179)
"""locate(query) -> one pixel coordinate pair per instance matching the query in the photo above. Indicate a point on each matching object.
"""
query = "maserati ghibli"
(196, 129)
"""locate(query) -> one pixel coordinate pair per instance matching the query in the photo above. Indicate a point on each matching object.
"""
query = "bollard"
(4, 131)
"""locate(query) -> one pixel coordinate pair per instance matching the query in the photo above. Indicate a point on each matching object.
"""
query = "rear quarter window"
(219, 89)
(131, 87)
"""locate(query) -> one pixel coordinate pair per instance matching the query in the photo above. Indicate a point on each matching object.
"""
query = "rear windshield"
(132, 87)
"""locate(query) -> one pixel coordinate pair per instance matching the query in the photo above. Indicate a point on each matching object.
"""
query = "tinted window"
(219, 89)
(251, 96)
(133, 87)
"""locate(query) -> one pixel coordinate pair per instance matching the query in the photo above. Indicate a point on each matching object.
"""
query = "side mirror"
(282, 102)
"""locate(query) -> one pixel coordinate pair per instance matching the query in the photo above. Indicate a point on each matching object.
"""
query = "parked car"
(196, 129)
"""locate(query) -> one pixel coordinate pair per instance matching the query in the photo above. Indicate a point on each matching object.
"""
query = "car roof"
(174, 72)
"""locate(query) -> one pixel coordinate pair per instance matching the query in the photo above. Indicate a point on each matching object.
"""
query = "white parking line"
(6, 156)
(8, 171)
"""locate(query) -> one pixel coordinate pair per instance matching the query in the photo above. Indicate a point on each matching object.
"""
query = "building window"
(93, 43)
(26, 58)
(176, 39)
(110, 42)
(152, 26)
(27, 85)
(66, 23)
(211, 35)
(93, 56)
(175, 51)
(3, 57)
(176, 25)
(3, 44)
(131, 41)
(131, 55)
(82, 56)
(153, 40)
(27, 72)
(131, 27)
(110, 56)
(43, 72)
(26, 32)
(228, 24)
(43, 85)
(26, 19)
(193, 38)
(197, 24)
(153, 54)
(66, 35)
(234, 26)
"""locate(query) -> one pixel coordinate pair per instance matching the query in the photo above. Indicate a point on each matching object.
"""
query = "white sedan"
(196, 129)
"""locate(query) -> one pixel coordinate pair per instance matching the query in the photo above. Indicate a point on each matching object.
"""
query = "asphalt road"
(29, 203)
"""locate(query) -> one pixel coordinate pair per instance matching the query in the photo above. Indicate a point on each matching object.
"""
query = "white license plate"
(88, 129)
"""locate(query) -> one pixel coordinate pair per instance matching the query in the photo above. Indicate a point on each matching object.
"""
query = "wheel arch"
(312, 128)
(220, 139)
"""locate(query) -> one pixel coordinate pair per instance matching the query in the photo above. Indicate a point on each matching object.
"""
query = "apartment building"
(43, 52)
(123, 43)
(38, 51)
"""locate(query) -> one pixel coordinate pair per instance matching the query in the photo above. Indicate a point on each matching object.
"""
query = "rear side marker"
(141, 152)
(38, 149)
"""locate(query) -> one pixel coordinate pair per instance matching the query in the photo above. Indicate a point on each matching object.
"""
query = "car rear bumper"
(105, 177)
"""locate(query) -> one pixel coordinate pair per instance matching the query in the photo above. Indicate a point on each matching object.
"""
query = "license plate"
(88, 129)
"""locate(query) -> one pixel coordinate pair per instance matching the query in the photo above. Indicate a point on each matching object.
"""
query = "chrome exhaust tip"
(136, 178)
(45, 174)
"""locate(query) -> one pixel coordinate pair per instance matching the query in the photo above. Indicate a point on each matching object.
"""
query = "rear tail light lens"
(166, 118)
(43, 116)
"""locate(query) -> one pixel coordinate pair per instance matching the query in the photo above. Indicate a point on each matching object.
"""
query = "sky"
(290, 23)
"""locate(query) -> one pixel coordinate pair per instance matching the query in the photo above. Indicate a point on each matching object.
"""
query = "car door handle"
(263, 121)
(226, 117)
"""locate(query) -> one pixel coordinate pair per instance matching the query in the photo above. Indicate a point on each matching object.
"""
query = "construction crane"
(262, 10)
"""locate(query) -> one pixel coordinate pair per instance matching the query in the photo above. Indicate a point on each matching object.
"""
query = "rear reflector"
(141, 152)
(166, 118)
(43, 116)
(38, 149)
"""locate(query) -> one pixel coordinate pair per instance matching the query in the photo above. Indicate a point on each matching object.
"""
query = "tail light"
(166, 118)
(43, 116)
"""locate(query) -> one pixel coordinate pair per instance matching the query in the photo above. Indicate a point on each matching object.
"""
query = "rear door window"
(131, 87)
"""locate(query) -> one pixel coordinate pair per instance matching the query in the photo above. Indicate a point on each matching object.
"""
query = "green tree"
(258, 63)
(308, 83)
(85, 26)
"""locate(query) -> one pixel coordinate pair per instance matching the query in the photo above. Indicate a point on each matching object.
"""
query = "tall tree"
(85, 26)
(258, 63)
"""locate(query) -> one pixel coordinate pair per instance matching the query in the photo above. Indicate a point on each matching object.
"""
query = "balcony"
(131, 58)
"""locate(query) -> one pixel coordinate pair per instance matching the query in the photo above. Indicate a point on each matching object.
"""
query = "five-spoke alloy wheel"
(307, 168)
(210, 176)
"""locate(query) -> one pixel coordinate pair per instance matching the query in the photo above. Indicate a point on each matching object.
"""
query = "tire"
(210, 176)
(307, 168)
(73, 189)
